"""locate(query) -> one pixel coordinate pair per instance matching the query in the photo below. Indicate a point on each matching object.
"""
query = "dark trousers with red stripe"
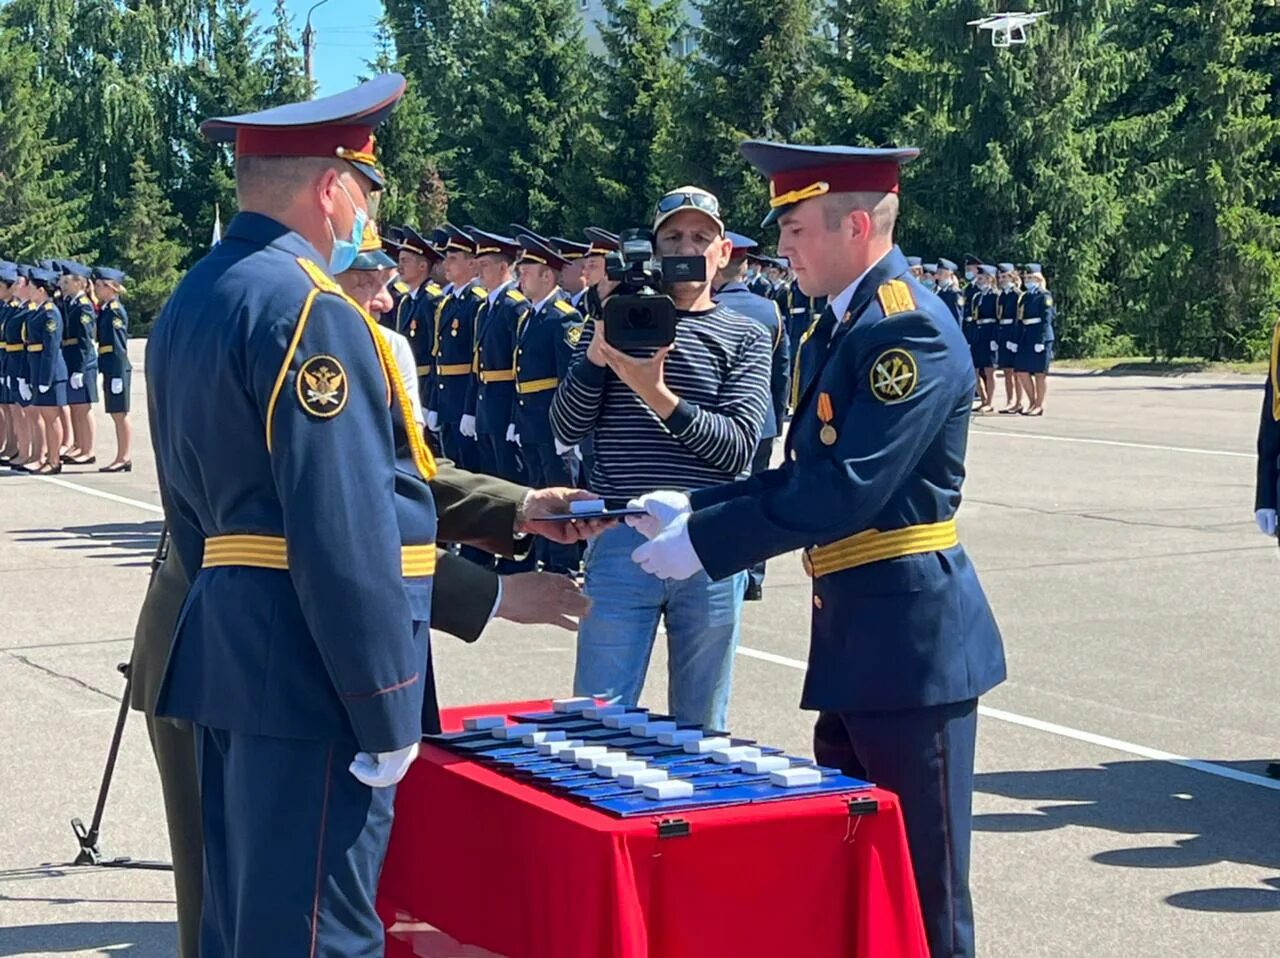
(925, 757)
(293, 846)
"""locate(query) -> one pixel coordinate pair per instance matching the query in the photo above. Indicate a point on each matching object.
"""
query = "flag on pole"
(217, 227)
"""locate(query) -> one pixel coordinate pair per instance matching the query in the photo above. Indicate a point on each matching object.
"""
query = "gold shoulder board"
(895, 297)
(318, 276)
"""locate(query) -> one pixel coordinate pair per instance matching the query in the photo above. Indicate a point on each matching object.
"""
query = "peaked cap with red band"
(798, 173)
(338, 126)
(535, 249)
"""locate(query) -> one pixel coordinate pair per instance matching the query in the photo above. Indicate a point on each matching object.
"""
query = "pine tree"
(143, 233)
(286, 77)
(529, 100)
(619, 157)
(404, 150)
(753, 75)
(42, 215)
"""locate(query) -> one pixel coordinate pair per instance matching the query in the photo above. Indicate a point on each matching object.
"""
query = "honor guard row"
(1007, 314)
(63, 326)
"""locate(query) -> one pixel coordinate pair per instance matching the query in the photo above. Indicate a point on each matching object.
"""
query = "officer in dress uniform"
(949, 289)
(114, 363)
(29, 431)
(546, 338)
(455, 328)
(732, 291)
(781, 294)
(47, 368)
(983, 302)
(603, 245)
(758, 283)
(9, 410)
(902, 641)
(1035, 342)
(916, 265)
(80, 350)
(1008, 329)
(416, 312)
(491, 393)
(572, 282)
(398, 288)
(301, 661)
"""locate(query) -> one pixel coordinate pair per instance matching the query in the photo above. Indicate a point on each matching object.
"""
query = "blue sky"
(344, 37)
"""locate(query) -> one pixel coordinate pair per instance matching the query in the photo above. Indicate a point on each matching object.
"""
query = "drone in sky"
(1007, 29)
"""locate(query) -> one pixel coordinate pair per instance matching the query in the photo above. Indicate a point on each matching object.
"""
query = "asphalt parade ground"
(1122, 807)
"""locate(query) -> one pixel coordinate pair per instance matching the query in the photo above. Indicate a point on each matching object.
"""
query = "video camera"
(638, 315)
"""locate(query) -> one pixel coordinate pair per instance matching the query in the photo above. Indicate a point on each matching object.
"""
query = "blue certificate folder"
(715, 785)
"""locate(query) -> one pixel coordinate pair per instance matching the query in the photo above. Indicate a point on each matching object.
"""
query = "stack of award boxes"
(629, 762)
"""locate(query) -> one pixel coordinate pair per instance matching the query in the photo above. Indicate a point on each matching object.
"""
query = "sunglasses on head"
(703, 201)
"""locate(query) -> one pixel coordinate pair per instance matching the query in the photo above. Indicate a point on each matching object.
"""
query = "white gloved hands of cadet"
(24, 390)
(1266, 520)
(663, 508)
(433, 420)
(1038, 347)
(468, 426)
(44, 389)
(117, 387)
(77, 380)
(383, 769)
(512, 435)
(1013, 347)
(994, 345)
(563, 450)
(670, 555)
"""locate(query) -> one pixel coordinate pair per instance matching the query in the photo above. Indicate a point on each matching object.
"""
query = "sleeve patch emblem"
(322, 386)
(894, 376)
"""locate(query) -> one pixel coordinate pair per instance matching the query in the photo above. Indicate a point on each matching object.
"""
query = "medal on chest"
(825, 413)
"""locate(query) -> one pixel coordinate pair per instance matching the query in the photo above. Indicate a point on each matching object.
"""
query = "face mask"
(1032, 287)
(968, 275)
(345, 251)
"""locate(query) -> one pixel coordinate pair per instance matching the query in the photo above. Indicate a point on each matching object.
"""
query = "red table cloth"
(502, 865)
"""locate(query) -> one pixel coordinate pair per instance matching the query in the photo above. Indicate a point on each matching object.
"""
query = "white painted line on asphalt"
(1103, 741)
(89, 491)
(1111, 442)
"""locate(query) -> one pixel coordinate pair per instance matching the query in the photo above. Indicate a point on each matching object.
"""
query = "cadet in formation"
(902, 640)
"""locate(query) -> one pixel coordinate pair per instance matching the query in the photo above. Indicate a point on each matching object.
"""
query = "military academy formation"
(63, 327)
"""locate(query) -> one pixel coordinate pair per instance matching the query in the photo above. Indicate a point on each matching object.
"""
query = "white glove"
(671, 555)
(383, 769)
(468, 426)
(563, 450)
(511, 434)
(1013, 347)
(117, 387)
(1038, 347)
(43, 389)
(1266, 520)
(663, 508)
(24, 390)
(433, 420)
(994, 345)
(77, 380)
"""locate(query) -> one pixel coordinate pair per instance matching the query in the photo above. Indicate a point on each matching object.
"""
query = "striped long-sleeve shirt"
(720, 370)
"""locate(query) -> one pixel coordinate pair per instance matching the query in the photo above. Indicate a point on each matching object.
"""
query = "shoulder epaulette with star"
(565, 306)
(434, 290)
(516, 296)
(479, 292)
(401, 287)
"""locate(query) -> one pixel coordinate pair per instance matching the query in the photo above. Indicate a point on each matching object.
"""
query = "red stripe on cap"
(869, 176)
(302, 141)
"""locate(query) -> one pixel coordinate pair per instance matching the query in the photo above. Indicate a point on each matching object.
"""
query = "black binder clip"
(673, 828)
(862, 805)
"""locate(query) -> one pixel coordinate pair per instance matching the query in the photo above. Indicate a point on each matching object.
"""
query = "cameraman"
(688, 415)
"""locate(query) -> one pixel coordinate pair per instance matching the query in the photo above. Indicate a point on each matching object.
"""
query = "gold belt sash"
(875, 546)
(269, 552)
(454, 369)
(103, 350)
(537, 385)
(424, 370)
(497, 375)
(37, 348)
(71, 342)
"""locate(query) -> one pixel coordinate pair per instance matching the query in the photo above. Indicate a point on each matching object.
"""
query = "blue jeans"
(615, 640)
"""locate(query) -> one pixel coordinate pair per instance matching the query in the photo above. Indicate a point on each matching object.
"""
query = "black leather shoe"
(122, 467)
(754, 592)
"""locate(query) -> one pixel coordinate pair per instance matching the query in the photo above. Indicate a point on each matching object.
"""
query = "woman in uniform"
(1008, 329)
(113, 361)
(1037, 335)
(80, 350)
(9, 447)
(47, 368)
(29, 431)
(985, 345)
